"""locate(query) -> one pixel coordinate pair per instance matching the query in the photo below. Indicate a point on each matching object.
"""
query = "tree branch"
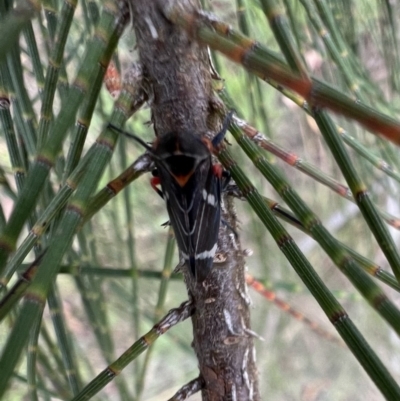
(178, 73)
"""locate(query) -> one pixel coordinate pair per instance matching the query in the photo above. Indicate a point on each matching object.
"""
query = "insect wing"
(207, 226)
(194, 211)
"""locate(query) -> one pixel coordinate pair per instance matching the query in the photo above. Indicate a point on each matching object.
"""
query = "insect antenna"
(131, 136)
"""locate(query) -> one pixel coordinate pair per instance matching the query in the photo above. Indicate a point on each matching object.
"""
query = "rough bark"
(179, 82)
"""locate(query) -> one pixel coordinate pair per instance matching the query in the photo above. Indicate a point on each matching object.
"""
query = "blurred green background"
(294, 362)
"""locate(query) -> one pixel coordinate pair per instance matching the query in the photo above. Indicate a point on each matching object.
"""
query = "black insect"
(191, 187)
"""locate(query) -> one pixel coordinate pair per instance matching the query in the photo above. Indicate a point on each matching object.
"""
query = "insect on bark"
(191, 186)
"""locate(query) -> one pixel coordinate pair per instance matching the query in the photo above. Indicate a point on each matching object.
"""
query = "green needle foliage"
(86, 268)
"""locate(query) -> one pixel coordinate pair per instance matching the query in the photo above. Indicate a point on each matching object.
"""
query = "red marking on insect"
(154, 182)
(217, 170)
(182, 179)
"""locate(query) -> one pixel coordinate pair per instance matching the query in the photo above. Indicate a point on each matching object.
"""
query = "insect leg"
(225, 125)
(154, 182)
